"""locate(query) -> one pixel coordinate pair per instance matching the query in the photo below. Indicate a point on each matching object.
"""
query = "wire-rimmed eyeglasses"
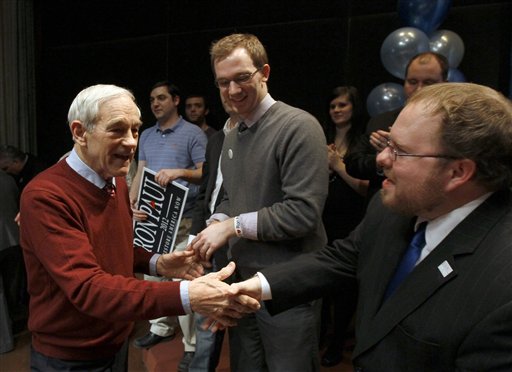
(394, 153)
(240, 79)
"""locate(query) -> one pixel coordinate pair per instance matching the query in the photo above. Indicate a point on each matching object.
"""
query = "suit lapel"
(216, 142)
(438, 268)
(388, 253)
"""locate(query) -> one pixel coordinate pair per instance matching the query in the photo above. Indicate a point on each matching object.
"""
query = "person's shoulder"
(192, 132)
(217, 136)
(291, 114)
(7, 182)
(37, 163)
(210, 131)
(281, 106)
(56, 176)
(296, 121)
(148, 130)
(187, 126)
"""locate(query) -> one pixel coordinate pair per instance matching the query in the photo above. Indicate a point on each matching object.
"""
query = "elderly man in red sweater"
(77, 240)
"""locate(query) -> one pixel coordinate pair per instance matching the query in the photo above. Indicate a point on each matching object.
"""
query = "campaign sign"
(164, 207)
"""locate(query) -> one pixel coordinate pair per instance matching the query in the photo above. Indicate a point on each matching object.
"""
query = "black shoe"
(185, 361)
(150, 339)
(331, 357)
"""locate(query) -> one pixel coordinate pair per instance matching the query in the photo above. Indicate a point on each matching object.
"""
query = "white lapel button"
(445, 269)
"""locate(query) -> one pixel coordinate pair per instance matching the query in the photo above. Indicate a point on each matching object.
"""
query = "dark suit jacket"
(461, 320)
(9, 230)
(201, 211)
(361, 159)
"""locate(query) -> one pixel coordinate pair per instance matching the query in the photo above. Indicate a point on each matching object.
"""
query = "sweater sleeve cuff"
(249, 225)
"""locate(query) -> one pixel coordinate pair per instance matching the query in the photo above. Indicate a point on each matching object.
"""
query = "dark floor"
(163, 357)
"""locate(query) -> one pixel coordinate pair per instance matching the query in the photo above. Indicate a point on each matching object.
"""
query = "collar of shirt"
(263, 107)
(179, 123)
(439, 228)
(85, 171)
(226, 129)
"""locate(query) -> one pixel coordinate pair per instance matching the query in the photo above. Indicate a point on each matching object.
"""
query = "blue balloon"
(400, 46)
(449, 44)
(456, 76)
(427, 15)
(385, 97)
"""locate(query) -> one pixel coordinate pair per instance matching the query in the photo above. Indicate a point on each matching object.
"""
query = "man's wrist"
(185, 296)
(238, 226)
(153, 262)
(266, 292)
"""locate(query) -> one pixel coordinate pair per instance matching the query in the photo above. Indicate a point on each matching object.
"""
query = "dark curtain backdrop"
(17, 75)
(312, 46)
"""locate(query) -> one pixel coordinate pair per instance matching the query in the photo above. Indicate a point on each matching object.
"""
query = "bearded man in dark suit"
(448, 162)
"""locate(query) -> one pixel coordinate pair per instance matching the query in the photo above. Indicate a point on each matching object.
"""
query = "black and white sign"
(164, 207)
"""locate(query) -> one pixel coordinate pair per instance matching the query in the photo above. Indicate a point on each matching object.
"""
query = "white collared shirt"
(266, 103)
(85, 171)
(439, 228)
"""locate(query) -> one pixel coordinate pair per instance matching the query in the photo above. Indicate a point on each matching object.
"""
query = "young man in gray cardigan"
(275, 181)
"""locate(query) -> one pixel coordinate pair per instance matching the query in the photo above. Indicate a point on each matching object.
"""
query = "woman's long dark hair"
(357, 126)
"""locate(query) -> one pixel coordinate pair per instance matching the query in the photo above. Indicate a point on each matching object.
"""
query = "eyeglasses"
(239, 79)
(394, 153)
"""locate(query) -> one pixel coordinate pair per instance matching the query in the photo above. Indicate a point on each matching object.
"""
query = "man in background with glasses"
(423, 70)
(275, 181)
(448, 168)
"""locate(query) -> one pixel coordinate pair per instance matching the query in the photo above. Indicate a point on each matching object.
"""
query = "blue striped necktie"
(409, 259)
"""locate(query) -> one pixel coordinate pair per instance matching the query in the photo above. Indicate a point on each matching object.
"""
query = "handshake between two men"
(208, 294)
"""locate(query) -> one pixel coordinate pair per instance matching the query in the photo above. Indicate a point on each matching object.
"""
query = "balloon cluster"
(422, 18)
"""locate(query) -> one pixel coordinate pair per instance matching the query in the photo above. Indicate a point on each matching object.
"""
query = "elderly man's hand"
(181, 264)
(213, 298)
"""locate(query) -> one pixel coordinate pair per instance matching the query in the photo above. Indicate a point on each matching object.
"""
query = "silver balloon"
(400, 46)
(449, 44)
(385, 97)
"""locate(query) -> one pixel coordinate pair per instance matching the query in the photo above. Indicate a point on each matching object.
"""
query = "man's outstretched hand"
(250, 287)
(179, 264)
(210, 296)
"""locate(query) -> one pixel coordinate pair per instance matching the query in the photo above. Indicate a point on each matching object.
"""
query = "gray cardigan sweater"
(277, 167)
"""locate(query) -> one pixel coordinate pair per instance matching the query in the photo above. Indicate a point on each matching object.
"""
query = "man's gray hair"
(86, 105)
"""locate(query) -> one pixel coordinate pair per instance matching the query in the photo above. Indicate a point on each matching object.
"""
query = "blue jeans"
(208, 347)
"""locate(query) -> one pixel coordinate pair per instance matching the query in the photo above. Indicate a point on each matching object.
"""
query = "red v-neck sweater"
(78, 247)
